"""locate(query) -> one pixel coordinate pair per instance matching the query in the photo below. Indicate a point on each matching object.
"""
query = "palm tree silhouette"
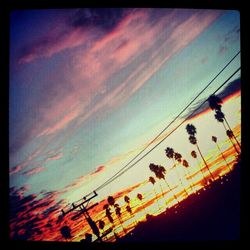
(219, 116)
(155, 169)
(110, 218)
(230, 135)
(108, 214)
(186, 166)
(175, 157)
(215, 103)
(160, 174)
(128, 207)
(126, 199)
(118, 213)
(111, 202)
(152, 181)
(194, 155)
(101, 225)
(214, 139)
(66, 232)
(191, 130)
(140, 197)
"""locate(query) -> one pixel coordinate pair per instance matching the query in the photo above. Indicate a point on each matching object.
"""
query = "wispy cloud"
(57, 156)
(93, 87)
(34, 171)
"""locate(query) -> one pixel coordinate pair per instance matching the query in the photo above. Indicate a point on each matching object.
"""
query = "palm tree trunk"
(204, 177)
(171, 190)
(231, 140)
(156, 198)
(162, 193)
(124, 230)
(205, 162)
(190, 182)
(178, 176)
(223, 156)
(233, 133)
(135, 220)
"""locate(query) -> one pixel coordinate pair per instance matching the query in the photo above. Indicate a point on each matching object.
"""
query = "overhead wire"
(126, 166)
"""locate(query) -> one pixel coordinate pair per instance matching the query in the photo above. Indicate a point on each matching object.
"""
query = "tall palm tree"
(215, 103)
(186, 165)
(152, 181)
(214, 139)
(191, 130)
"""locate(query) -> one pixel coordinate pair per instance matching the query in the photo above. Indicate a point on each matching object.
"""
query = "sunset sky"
(89, 88)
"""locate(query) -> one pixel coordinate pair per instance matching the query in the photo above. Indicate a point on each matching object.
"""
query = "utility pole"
(82, 206)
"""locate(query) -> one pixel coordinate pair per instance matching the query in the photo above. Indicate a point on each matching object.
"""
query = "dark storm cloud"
(105, 18)
(231, 88)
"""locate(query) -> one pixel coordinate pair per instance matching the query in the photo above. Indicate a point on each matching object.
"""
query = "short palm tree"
(118, 214)
(160, 174)
(175, 157)
(194, 155)
(108, 213)
(152, 181)
(128, 207)
(129, 210)
(191, 130)
(230, 135)
(101, 225)
(140, 198)
(186, 165)
(66, 232)
(214, 139)
(155, 169)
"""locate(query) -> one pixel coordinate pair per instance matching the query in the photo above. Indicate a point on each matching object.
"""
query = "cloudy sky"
(90, 87)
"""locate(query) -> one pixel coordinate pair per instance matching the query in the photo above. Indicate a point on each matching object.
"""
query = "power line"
(161, 132)
(118, 175)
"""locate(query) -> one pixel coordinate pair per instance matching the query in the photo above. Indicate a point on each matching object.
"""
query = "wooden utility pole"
(82, 207)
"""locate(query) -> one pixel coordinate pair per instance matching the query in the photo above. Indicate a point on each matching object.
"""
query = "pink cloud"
(90, 69)
(56, 41)
(99, 169)
(55, 157)
(17, 169)
(61, 124)
(34, 171)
